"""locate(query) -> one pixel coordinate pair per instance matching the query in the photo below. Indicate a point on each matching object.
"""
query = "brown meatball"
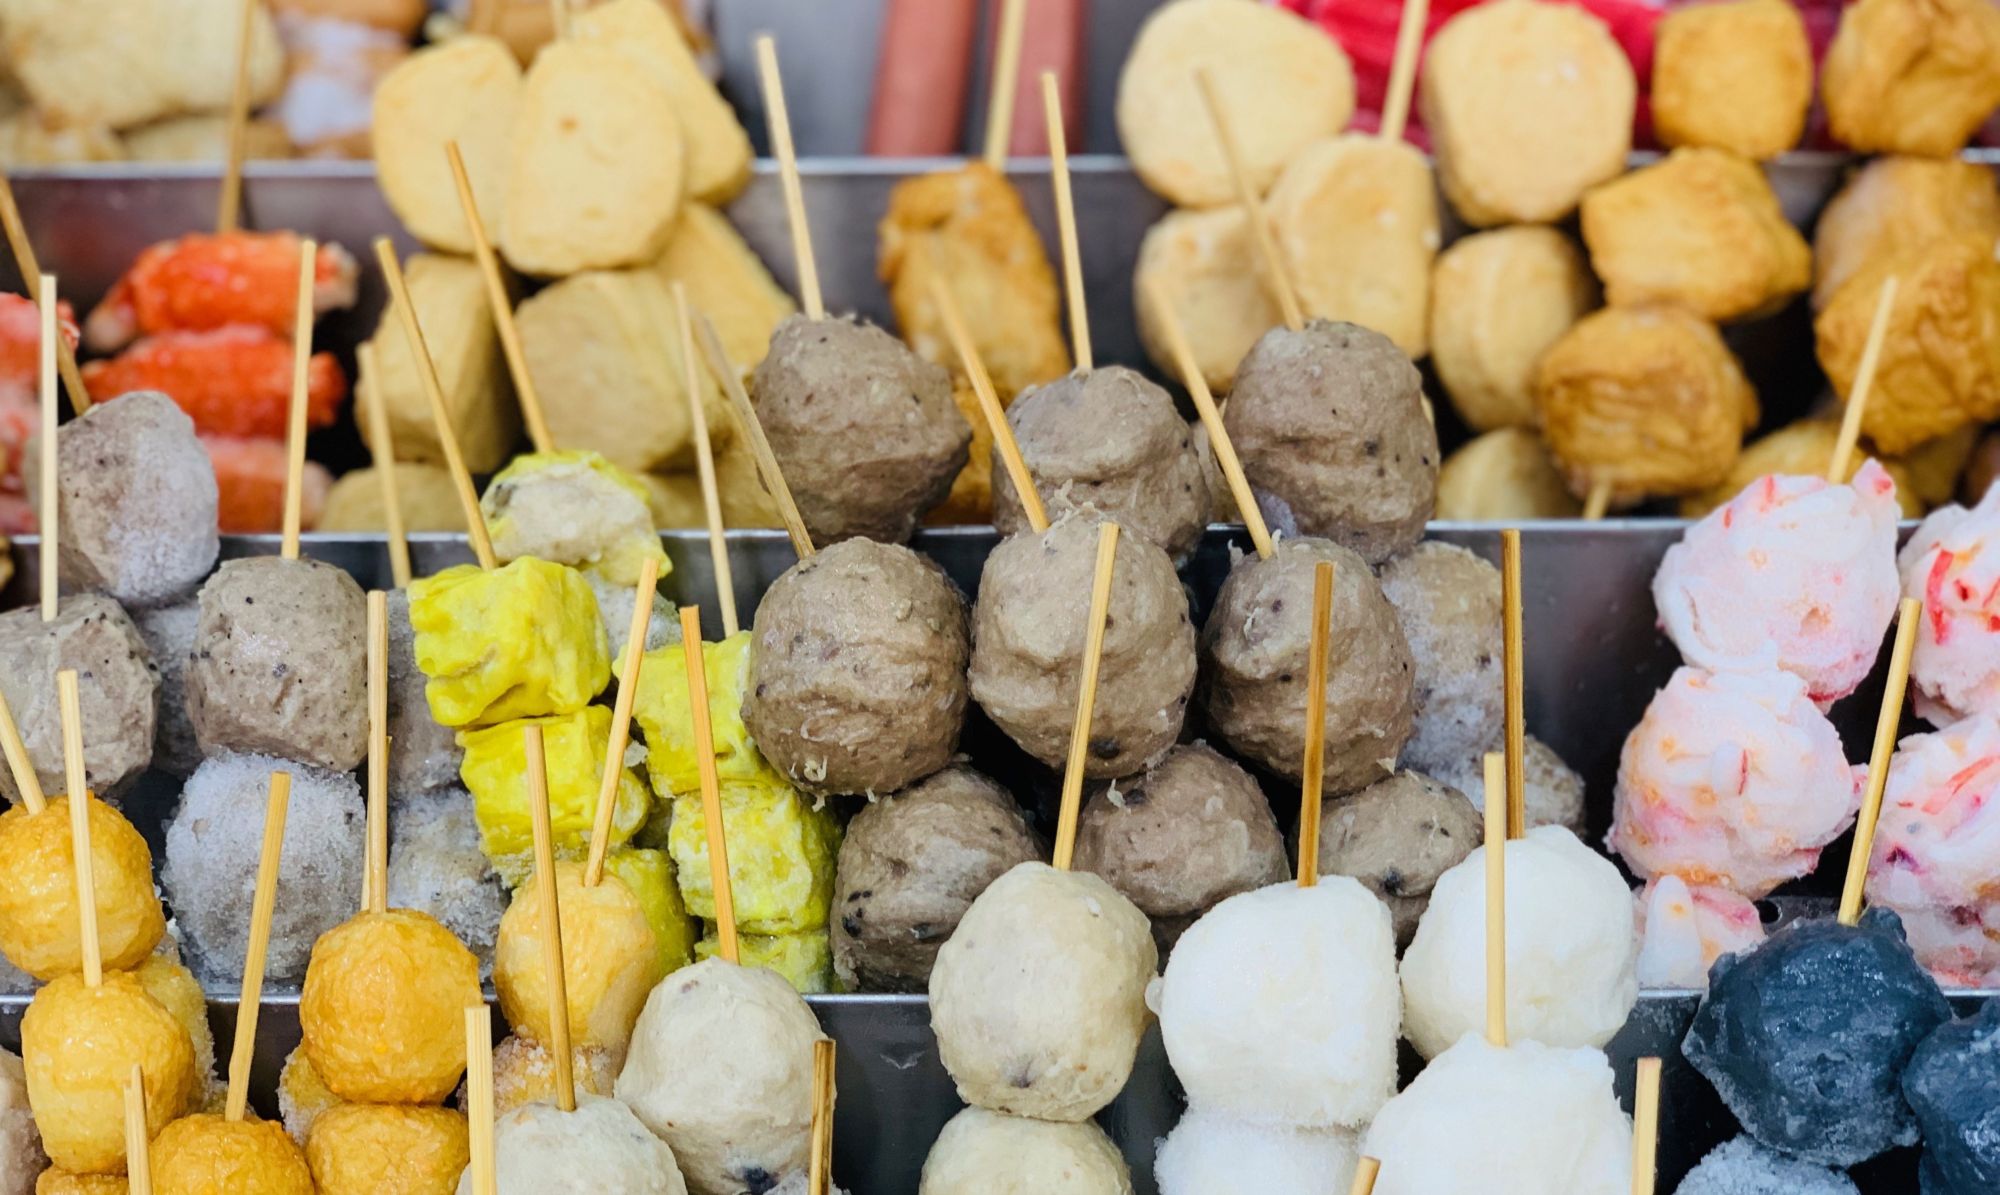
(1108, 441)
(910, 865)
(1028, 633)
(1189, 831)
(169, 633)
(1255, 651)
(1330, 424)
(423, 756)
(1397, 837)
(117, 688)
(865, 430)
(1448, 602)
(857, 669)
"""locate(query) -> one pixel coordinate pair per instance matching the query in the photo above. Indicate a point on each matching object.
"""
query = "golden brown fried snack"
(1936, 467)
(1802, 448)
(1206, 265)
(1499, 299)
(1896, 204)
(1504, 475)
(1735, 75)
(1940, 367)
(726, 281)
(971, 497)
(1648, 399)
(675, 498)
(1701, 229)
(967, 227)
(450, 299)
(1912, 76)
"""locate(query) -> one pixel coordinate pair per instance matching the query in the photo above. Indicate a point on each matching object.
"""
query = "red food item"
(21, 344)
(920, 77)
(250, 485)
(201, 281)
(231, 381)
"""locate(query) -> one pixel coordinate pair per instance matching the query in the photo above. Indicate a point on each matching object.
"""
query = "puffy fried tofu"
(1503, 476)
(1701, 229)
(425, 492)
(204, 139)
(1912, 76)
(119, 63)
(1648, 399)
(450, 299)
(597, 167)
(717, 148)
(1803, 448)
(676, 497)
(1528, 104)
(1940, 365)
(1896, 204)
(1734, 75)
(1282, 82)
(466, 90)
(1356, 221)
(1499, 299)
(1206, 265)
(968, 228)
(727, 282)
(1936, 467)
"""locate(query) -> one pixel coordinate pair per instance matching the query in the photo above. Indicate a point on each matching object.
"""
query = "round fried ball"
(611, 959)
(524, 1071)
(207, 1155)
(384, 1149)
(383, 1010)
(38, 917)
(302, 1095)
(78, 1045)
(179, 992)
(55, 1181)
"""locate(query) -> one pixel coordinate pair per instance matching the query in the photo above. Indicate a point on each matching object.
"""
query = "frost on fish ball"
(1525, 1119)
(1028, 634)
(78, 1046)
(436, 867)
(1806, 1037)
(1191, 830)
(1684, 928)
(169, 633)
(1242, 1002)
(721, 1069)
(538, 1149)
(204, 1153)
(21, 1157)
(1955, 670)
(423, 755)
(39, 928)
(387, 1149)
(985, 1153)
(1953, 1084)
(573, 508)
(1740, 1166)
(383, 1008)
(909, 867)
(1572, 951)
(524, 1072)
(1256, 648)
(1795, 573)
(1109, 441)
(857, 669)
(1038, 999)
(1397, 837)
(302, 1096)
(213, 845)
(1448, 603)
(1732, 778)
(614, 609)
(117, 690)
(1209, 1153)
(611, 958)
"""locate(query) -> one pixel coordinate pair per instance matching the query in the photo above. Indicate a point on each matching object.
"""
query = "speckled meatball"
(910, 865)
(1550, 788)
(1448, 601)
(857, 669)
(1397, 837)
(1330, 423)
(1109, 441)
(169, 634)
(1189, 831)
(1028, 634)
(117, 688)
(423, 756)
(865, 430)
(1255, 651)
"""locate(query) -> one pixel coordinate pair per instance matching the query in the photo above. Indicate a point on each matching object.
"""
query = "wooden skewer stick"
(461, 480)
(1403, 69)
(751, 429)
(1513, 668)
(19, 763)
(704, 459)
(1646, 1126)
(621, 719)
(31, 280)
(1086, 694)
(1864, 383)
(295, 423)
(1315, 761)
(1364, 1177)
(502, 305)
(711, 788)
(1598, 503)
(989, 406)
(1909, 618)
(780, 124)
(79, 826)
(1277, 278)
(375, 879)
(1004, 83)
(1079, 315)
(1496, 901)
(49, 521)
(229, 205)
(138, 1154)
(551, 917)
(819, 1172)
(1211, 418)
(559, 26)
(384, 442)
(479, 1095)
(260, 943)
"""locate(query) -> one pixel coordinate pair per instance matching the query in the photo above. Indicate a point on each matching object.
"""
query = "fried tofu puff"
(1896, 204)
(1504, 475)
(465, 91)
(1529, 105)
(1701, 230)
(1734, 75)
(464, 346)
(1648, 399)
(1940, 365)
(1912, 76)
(1499, 299)
(1797, 448)
(1205, 265)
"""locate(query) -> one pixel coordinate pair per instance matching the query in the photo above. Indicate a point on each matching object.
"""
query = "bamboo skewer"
(19, 763)
(1403, 69)
(551, 918)
(532, 413)
(1004, 83)
(819, 1171)
(1646, 1126)
(260, 942)
(711, 788)
(704, 459)
(1315, 761)
(375, 878)
(1079, 314)
(138, 1151)
(229, 205)
(621, 719)
(1364, 1177)
(1514, 669)
(779, 121)
(1276, 277)
(1496, 901)
(295, 414)
(989, 406)
(479, 1096)
(31, 280)
(84, 864)
(1598, 503)
(1864, 384)
(1086, 695)
(1909, 618)
(49, 520)
(384, 442)
(725, 375)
